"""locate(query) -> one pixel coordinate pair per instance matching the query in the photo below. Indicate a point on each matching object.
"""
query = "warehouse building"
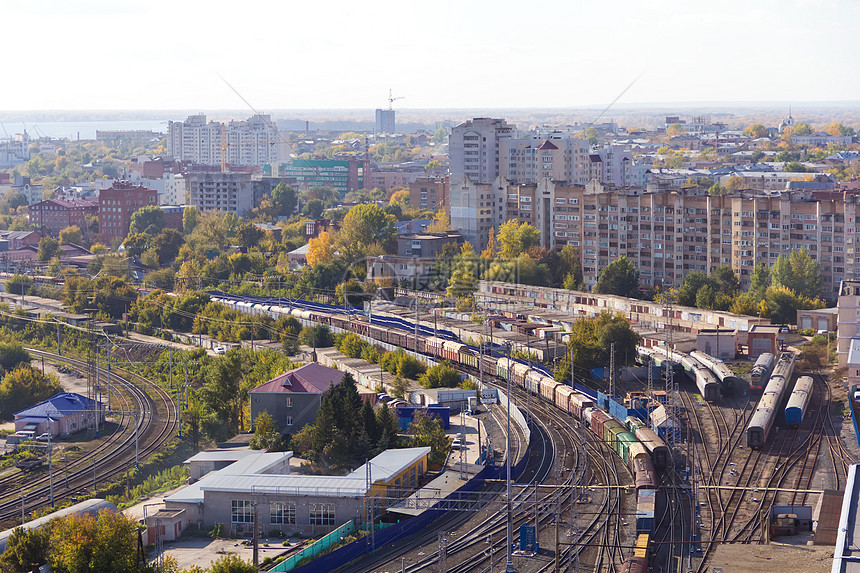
(259, 487)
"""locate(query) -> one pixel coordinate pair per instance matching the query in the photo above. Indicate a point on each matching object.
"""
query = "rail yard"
(744, 448)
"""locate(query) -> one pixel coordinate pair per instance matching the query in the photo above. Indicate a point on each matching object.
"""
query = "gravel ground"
(774, 558)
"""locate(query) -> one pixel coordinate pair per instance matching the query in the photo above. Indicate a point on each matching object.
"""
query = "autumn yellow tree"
(440, 223)
(491, 252)
(400, 196)
(320, 249)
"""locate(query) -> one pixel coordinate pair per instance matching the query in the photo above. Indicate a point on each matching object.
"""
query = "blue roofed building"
(61, 414)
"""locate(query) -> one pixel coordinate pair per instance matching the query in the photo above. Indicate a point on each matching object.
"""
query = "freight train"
(763, 419)
(644, 452)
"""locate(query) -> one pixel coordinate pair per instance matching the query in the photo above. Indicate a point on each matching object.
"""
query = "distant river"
(79, 129)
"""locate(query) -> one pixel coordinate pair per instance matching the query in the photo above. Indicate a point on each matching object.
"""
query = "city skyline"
(478, 55)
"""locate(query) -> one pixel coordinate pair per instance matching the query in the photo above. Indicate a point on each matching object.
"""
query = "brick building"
(429, 193)
(53, 215)
(116, 205)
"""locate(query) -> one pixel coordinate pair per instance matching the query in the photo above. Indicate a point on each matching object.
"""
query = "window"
(289, 420)
(322, 514)
(283, 512)
(241, 511)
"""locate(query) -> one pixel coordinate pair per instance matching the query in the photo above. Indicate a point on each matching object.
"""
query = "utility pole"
(509, 564)
(170, 358)
(612, 369)
(442, 553)
(51, 468)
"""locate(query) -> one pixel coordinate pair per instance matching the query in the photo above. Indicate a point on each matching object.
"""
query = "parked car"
(26, 434)
(455, 445)
(46, 437)
(219, 350)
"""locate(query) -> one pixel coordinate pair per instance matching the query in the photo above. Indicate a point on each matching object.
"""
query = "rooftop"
(249, 475)
(854, 352)
(847, 555)
(311, 378)
(59, 405)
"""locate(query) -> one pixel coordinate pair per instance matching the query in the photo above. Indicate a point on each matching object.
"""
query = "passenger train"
(763, 419)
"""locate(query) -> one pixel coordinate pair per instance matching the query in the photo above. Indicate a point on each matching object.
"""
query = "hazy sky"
(150, 54)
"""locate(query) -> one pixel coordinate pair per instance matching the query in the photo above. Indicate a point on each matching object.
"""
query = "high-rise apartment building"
(483, 148)
(214, 191)
(254, 141)
(384, 121)
(669, 234)
(474, 149)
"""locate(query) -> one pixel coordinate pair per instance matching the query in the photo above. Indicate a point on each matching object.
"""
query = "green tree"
(85, 543)
(801, 128)
(364, 226)
(266, 435)
(19, 284)
(620, 278)
(167, 244)
(440, 376)
(285, 199)
(135, 244)
(250, 235)
(427, 431)
(318, 336)
(590, 342)
(12, 355)
(48, 249)
(782, 304)
(715, 189)
(515, 238)
(190, 219)
(798, 272)
(71, 235)
(26, 550)
(759, 281)
(313, 208)
(24, 387)
(231, 563)
(735, 183)
(693, 281)
(149, 220)
(388, 429)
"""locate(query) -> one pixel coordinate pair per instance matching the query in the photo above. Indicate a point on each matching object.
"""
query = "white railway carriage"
(762, 421)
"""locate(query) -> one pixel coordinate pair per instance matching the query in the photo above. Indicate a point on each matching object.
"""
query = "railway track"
(157, 421)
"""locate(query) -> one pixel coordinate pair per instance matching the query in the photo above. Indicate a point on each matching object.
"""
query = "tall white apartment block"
(474, 149)
(254, 141)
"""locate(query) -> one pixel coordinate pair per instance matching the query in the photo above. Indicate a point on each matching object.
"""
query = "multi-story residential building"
(170, 187)
(214, 191)
(471, 210)
(116, 205)
(32, 191)
(384, 121)
(53, 215)
(15, 151)
(255, 141)
(474, 149)
(429, 193)
(773, 180)
(848, 319)
(822, 139)
(344, 175)
(670, 233)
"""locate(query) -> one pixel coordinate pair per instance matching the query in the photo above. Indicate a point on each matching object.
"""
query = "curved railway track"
(157, 422)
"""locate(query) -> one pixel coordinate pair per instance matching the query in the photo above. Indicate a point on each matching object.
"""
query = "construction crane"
(392, 99)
